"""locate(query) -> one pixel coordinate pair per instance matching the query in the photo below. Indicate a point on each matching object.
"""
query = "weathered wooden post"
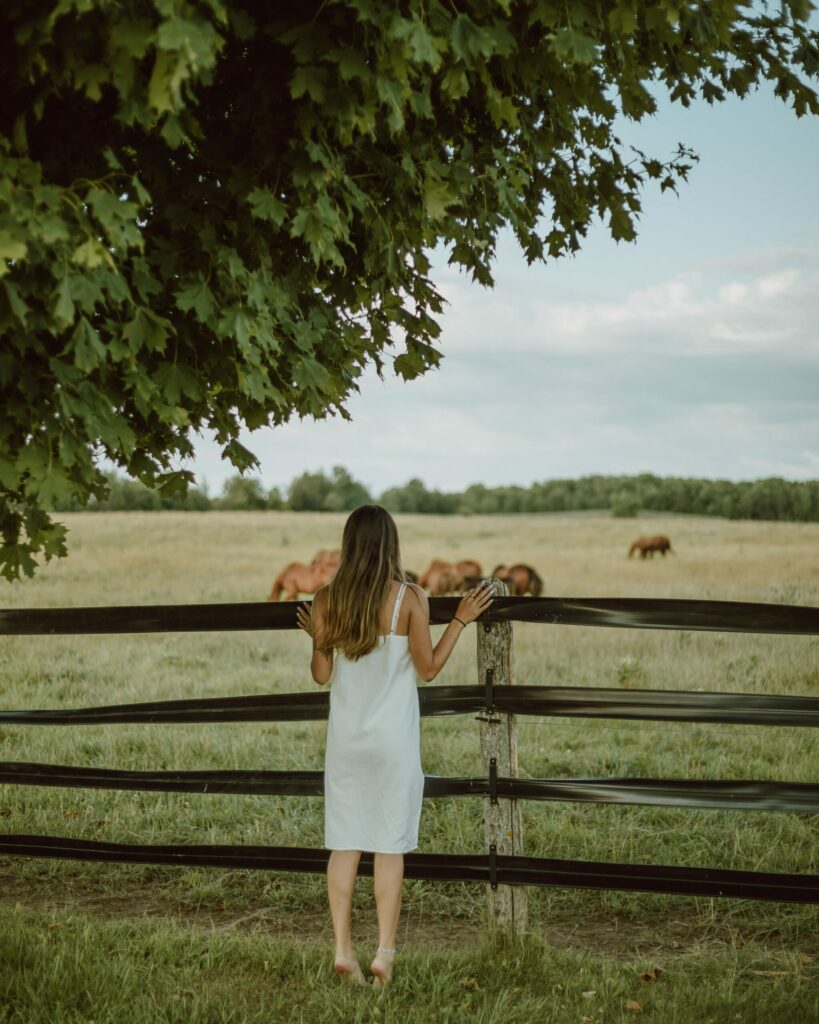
(503, 825)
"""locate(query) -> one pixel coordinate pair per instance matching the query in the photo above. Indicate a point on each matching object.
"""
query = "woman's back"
(378, 689)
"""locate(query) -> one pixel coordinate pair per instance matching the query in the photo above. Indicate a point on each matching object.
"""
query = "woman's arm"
(428, 661)
(311, 620)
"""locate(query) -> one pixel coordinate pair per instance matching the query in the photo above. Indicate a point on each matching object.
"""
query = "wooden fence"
(496, 700)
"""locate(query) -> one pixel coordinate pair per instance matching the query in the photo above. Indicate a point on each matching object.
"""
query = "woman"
(370, 631)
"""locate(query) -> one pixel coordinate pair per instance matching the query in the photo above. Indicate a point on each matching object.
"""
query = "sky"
(693, 351)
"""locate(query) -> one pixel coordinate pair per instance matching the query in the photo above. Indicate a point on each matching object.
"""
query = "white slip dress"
(373, 780)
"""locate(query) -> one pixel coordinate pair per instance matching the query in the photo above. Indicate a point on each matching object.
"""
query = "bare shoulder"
(420, 596)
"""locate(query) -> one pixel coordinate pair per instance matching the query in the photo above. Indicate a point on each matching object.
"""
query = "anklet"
(385, 949)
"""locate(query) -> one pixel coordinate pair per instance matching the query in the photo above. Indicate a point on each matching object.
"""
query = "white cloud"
(711, 372)
(763, 258)
(691, 312)
(779, 283)
(733, 292)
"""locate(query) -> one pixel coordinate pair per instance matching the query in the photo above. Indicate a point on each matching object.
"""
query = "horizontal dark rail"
(658, 705)
(545, 701)
(785, 888)
(640, 613)
(743, 794)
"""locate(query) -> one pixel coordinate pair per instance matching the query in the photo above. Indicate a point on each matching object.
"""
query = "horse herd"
(452, 577)
(439, 578)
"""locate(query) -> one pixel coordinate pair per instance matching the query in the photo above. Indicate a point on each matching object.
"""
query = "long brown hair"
(370, 561)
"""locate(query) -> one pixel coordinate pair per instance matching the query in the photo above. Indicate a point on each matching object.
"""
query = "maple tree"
(217, 213)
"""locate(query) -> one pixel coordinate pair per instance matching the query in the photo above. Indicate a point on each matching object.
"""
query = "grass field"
(201, 936)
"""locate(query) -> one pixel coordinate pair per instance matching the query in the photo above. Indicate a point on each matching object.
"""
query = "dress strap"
(397, 607)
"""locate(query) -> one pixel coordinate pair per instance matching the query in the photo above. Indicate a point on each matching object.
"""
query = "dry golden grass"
(124, 557)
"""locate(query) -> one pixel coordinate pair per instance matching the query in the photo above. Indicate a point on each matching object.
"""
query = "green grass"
(133, 558)
(67, 969)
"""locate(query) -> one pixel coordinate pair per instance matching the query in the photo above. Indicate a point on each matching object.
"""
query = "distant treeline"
(770, 498)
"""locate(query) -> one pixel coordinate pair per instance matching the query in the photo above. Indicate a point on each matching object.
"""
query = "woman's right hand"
(304, 618)
(475, 602)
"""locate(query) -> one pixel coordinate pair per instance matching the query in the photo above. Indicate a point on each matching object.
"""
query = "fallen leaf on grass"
(633, 1005)
(590, 994)
(469, 983)
(651, 975)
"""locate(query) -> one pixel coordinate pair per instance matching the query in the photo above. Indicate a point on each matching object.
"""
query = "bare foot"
(349, 970)
(381, 967)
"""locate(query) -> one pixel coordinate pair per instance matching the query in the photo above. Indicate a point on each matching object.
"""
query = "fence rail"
(494, 868)
(491, 700)
(739, 794)
(625, 613)
(434, 701)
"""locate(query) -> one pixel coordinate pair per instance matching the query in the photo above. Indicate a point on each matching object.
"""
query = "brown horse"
(648, 545)
(465, 568)
(443, 577)
(520, 579)
(296, 578)
(436, 566)
(440, 580)
(325, 564)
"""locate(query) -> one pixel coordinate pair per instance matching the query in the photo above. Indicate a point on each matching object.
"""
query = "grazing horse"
(648, 545)
(435, 567)
(520, 579)
(439, 581)
(325, 564)
(663, 544)
(464, 569)
(446, 577)
(296, 578)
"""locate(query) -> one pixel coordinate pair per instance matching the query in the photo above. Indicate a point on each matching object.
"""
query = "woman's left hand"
(304, 618)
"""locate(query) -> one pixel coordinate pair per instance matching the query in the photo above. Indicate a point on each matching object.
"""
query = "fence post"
(503, 825)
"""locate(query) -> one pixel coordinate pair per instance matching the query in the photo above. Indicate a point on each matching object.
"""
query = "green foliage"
(242, 493)
(625, 505)
(247, 494)
(218, 214)
(320, 493)
(274, 500)
(771, 498)
(124, 495)
(414, 497)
